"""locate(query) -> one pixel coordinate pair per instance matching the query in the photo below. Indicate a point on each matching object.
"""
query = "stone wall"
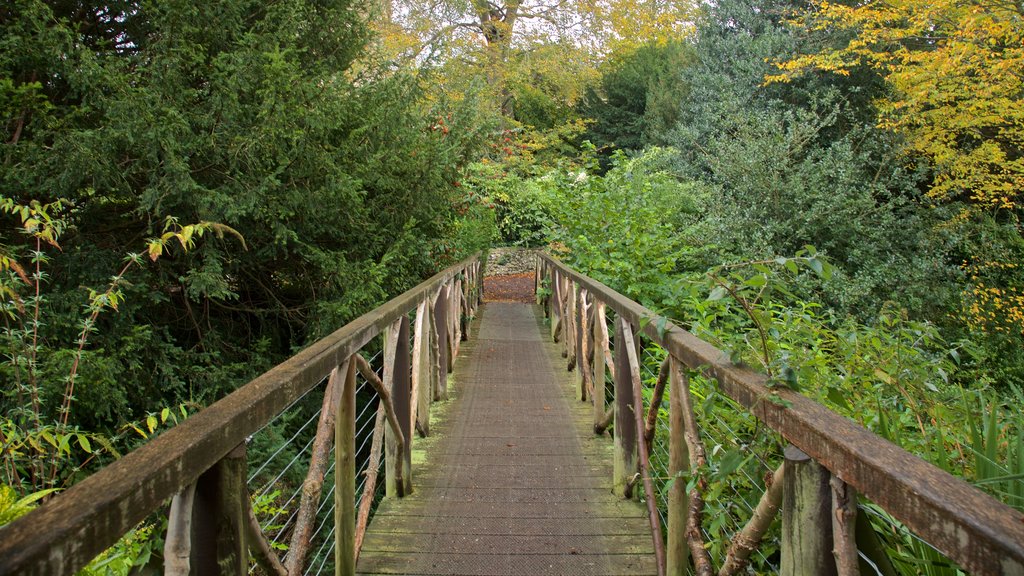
(508, 261)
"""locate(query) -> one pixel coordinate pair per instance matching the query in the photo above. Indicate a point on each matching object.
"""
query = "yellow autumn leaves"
(955, 71)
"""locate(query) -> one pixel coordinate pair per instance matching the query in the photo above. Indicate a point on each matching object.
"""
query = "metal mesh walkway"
(512, 481)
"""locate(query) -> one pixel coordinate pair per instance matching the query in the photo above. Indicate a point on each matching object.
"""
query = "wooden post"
(555, 303)
(219, 518)
(453, 322)
(421, 381)
(178, 542)
(401, 394)
(677, 553)
(625, 406)
(345, 476)
(440, 318)
(806, 518)
(598, 364)
(844, 523)
(465, 314)
(581, 345)
(569, 324)
(397, 382)
(538, 274)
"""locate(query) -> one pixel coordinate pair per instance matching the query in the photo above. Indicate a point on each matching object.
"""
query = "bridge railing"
(199, 472)
(829, 461)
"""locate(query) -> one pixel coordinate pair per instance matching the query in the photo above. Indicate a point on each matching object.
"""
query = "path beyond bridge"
(513, 481)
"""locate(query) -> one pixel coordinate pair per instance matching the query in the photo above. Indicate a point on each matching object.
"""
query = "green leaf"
(756, 281)
(164, 414)
(717, 293)
(732, 460)
(83, 441)
(660, 326)
(817, 266)
(151, 423)
(836, 397)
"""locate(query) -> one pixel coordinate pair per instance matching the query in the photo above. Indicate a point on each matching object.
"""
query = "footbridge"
(444, 434)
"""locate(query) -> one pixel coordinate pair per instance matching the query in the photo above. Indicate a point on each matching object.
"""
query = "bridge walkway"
(512, 480)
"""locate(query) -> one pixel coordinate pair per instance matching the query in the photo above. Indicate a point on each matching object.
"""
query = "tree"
(238, 112)
(636, 102)
(493, 36)
(954, 68)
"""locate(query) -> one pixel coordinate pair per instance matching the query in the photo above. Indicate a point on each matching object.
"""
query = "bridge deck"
(512, 480)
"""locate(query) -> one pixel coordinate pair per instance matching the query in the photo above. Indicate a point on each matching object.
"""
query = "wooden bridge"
(506, 463)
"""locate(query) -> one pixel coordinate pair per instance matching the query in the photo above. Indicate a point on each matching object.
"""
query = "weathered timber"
(749, 538)
(370, 488)
(219, 518)
(264, 555)
(64, 534)
(645, 464)
(421, 393)
(806, 521)
(572, 294)
(598, 364)
(178, 542)
(313, 485)
(979, 533)
(844, 522)
(395, 399)
(511, 480)
(698, 462)
(440, 317)
(677, 553)
(401, 392)
(657, 395)
(345, 477)
(436, 373)
(625, 405)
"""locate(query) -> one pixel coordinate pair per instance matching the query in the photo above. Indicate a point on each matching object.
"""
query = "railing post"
(440, 318)
(345, 476)
(401, 392)
(677, 553)
(555, 303)
(598, 364)
(464, 311)
(454, 333)
(625, 406)
(581, 343)
(806, 518)
(569, 324)
(219, 516)
(421, 383)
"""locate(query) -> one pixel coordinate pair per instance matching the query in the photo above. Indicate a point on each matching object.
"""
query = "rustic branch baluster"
(628, 343)
(625, 463)
(313, 484)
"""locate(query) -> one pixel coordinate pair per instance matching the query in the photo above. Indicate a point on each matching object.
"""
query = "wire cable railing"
(728, 452)
(285, 467)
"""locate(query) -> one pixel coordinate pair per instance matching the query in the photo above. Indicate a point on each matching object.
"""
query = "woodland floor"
(511, 288)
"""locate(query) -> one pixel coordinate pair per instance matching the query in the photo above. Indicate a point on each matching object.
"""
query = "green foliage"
(629, 226)
(13, 507)
(341, 180)
(637, 100)
(518, 203)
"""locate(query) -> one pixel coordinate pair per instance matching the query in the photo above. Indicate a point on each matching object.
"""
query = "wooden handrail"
(67, 532)
(978, 532)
